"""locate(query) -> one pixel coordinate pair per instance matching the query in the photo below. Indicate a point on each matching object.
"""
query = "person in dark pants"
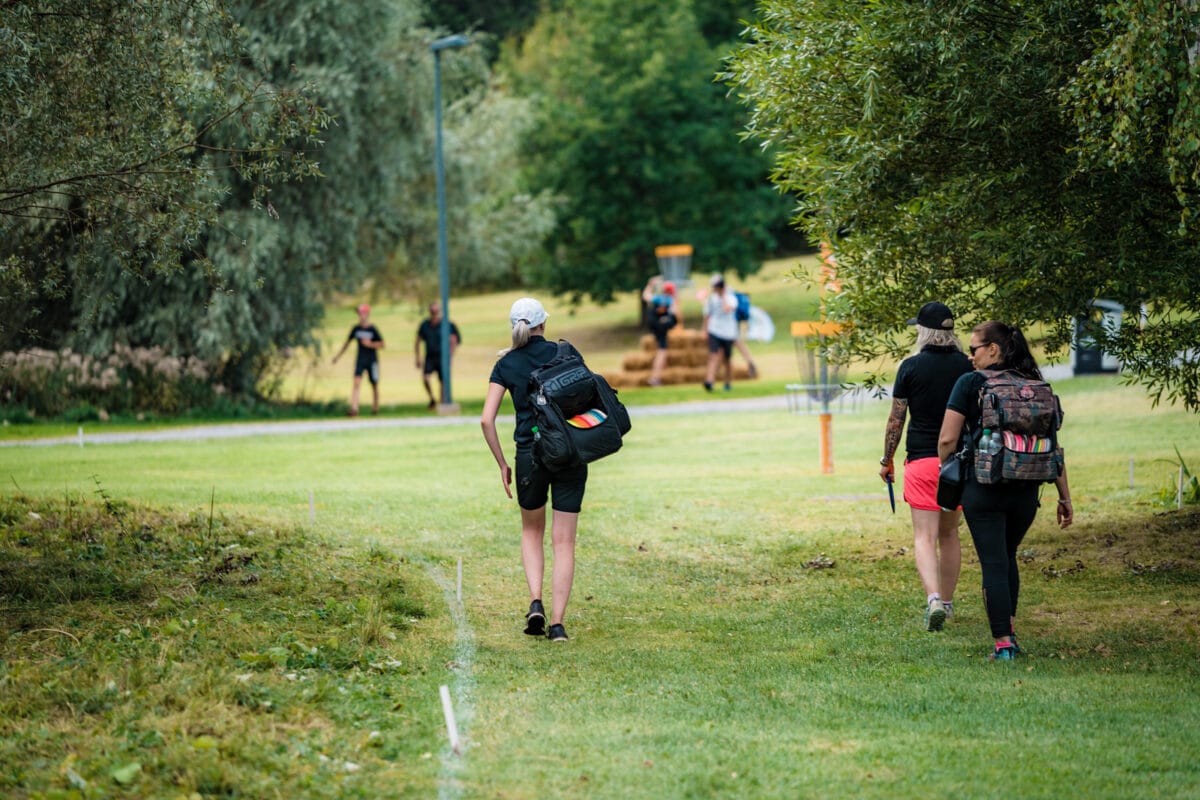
(430, 332)
(535, 484)
(366, 360)
(662, 314)
(923, 384)
(998, 515)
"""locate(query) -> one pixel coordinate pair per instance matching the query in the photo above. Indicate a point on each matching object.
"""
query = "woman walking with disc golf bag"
(1009, 418)
(577, 419)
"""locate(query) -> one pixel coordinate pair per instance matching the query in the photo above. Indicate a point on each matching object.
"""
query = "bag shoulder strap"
(565, 348)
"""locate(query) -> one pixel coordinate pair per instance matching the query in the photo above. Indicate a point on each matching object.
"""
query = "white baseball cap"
(528, 309)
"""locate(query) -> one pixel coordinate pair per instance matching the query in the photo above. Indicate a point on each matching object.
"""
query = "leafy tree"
(122, 120)
(641, 145)
(1014, 159)
(181, 221)
(495, 225)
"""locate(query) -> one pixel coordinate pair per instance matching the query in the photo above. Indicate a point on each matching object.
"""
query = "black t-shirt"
(369, 333)
(431, 334)
(925, 380)
(512, 372)
(965, 399)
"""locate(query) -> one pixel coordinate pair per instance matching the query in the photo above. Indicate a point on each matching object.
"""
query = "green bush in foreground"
(157, 655)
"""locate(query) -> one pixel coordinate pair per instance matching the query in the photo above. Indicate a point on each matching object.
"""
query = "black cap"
(934, 315)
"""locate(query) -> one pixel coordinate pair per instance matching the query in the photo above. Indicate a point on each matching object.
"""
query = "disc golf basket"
(675, 263)
(822, 391)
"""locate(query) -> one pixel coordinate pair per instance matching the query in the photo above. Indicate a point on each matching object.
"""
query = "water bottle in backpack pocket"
(989, 456)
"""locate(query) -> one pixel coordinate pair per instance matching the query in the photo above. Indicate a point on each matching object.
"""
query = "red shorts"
(920, 483)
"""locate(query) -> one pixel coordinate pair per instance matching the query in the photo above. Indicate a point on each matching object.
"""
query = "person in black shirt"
(430, 332)
(923, 384)
(366, 360)
(535, 483)
(998, 515)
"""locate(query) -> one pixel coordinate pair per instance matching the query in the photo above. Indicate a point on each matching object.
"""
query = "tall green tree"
(122, 122)
(200, 174)
(1014, 159)
(641, 145)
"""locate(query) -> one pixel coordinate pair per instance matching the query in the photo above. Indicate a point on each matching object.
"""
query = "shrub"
(46, 383)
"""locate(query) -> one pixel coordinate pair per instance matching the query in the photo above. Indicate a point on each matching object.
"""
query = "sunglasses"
(974, 347)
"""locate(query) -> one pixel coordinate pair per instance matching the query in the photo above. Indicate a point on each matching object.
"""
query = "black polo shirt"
(925, 381)
(512, 372)
(431, 333)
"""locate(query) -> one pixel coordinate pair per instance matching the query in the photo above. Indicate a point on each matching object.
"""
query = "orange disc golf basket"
(822, 390)
(675, 263)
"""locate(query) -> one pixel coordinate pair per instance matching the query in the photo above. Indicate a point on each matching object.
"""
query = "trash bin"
(1089, 357)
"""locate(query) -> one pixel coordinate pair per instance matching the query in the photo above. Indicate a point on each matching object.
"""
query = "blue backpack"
(742, 313)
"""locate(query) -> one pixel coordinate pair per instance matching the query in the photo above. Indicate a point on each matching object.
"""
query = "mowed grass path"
(742, 625)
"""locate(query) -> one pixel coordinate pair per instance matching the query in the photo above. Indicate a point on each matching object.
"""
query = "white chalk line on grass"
(462, 684)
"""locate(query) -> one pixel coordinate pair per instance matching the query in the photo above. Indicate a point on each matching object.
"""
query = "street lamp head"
(446, 42)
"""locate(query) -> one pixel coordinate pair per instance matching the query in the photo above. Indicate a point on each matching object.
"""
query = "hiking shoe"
(1003, 652)
(535, 620)
(935, 615)
(557, 633)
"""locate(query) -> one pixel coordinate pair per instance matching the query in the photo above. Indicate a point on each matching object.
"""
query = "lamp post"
(445, 43)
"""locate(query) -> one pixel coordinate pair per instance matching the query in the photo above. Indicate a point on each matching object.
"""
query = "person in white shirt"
(721, 325)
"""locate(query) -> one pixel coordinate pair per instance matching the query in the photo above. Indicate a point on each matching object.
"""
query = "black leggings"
(999, 516)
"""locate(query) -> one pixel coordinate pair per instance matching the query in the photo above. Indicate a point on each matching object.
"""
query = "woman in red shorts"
(923, 384)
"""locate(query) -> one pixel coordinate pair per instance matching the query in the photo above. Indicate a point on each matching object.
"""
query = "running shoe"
(1003, 652)
(535, 620)
(949, 606)
(935, 615)
(557, 633)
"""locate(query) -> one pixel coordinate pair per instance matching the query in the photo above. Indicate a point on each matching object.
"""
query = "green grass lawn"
(742, 625)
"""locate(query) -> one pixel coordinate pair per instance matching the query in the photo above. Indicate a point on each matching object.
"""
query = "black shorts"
(369, 367)
(718, 345)
(432, 365)
(659, 326)
(535, 481)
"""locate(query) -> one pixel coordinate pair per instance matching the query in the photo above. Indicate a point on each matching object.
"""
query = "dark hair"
(1014, 350)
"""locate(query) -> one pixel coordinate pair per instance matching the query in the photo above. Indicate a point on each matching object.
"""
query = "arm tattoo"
(895, 426)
